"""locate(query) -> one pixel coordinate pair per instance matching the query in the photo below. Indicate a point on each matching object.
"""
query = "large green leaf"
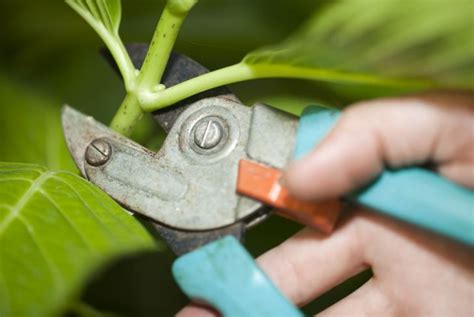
(30, 128)
(55, 229)
(377, 41)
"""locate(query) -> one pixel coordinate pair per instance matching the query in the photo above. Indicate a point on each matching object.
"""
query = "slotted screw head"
(98, 152)
(208, 133)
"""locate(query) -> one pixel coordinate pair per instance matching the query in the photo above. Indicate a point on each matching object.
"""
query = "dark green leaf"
(55, 229)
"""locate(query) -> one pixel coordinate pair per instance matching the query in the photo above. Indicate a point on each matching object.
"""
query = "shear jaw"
(188, 184)
(80, 131)
(188, 188)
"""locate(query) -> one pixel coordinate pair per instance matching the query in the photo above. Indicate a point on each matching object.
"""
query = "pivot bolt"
(208, 133)
(98, 152)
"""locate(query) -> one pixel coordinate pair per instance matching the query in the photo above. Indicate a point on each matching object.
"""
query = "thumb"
(436, 128)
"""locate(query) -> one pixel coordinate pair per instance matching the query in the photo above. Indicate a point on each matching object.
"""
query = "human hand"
(415, 273)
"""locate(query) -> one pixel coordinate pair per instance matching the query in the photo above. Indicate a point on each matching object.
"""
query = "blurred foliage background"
(49, 56)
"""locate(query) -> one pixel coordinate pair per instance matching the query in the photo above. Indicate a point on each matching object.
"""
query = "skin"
(415, 273)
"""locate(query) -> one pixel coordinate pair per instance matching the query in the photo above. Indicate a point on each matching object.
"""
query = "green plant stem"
(121, 57)
(154, 65)
(127, 115)
(231, 74)
(242, 71)
(161, 45)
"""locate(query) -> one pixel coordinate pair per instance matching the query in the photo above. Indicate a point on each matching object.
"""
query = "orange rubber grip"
(263, 183)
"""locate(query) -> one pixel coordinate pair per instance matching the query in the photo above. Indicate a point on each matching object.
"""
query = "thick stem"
(127, 115)
(154, 65)
(231, 74)
(241, 72)
(162, 43)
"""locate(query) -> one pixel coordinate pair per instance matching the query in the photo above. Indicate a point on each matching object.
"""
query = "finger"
(392, 132)
(460, 172)
(367, 301)
(194, 310)
(309, 263)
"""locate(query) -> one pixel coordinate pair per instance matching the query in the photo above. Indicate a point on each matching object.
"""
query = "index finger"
(436, 127)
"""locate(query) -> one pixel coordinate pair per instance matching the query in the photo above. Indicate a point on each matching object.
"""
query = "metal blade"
(181, 241)
(80, 130)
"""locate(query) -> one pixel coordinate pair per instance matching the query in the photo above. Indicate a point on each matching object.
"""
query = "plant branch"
(243, 71)
(162, 43)
(154, 65)
(121, 57)
(220, 77)
(127, 115)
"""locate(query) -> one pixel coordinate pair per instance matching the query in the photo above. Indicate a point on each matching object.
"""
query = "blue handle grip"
(224, 275)
(414, 194)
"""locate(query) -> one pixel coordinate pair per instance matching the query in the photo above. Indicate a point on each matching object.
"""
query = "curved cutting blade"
(80, 130)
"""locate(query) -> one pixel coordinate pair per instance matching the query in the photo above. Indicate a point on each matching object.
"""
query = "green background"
(49, 56)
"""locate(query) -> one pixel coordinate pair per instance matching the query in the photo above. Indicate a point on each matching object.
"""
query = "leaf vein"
(16, 179)
(54, 272)
(63, 214)
(89, 209)
(18, 207)
(101, 203)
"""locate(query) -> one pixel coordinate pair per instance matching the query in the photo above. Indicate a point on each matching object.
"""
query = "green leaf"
(99, 13)
(55, 230)
(104, 17)
(379, 42)
(30, 128)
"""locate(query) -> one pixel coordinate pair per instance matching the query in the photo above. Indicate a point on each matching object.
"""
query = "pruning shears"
(217, 174)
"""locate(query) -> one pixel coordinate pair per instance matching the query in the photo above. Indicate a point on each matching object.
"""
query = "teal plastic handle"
(224, 275)
(413, 194)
